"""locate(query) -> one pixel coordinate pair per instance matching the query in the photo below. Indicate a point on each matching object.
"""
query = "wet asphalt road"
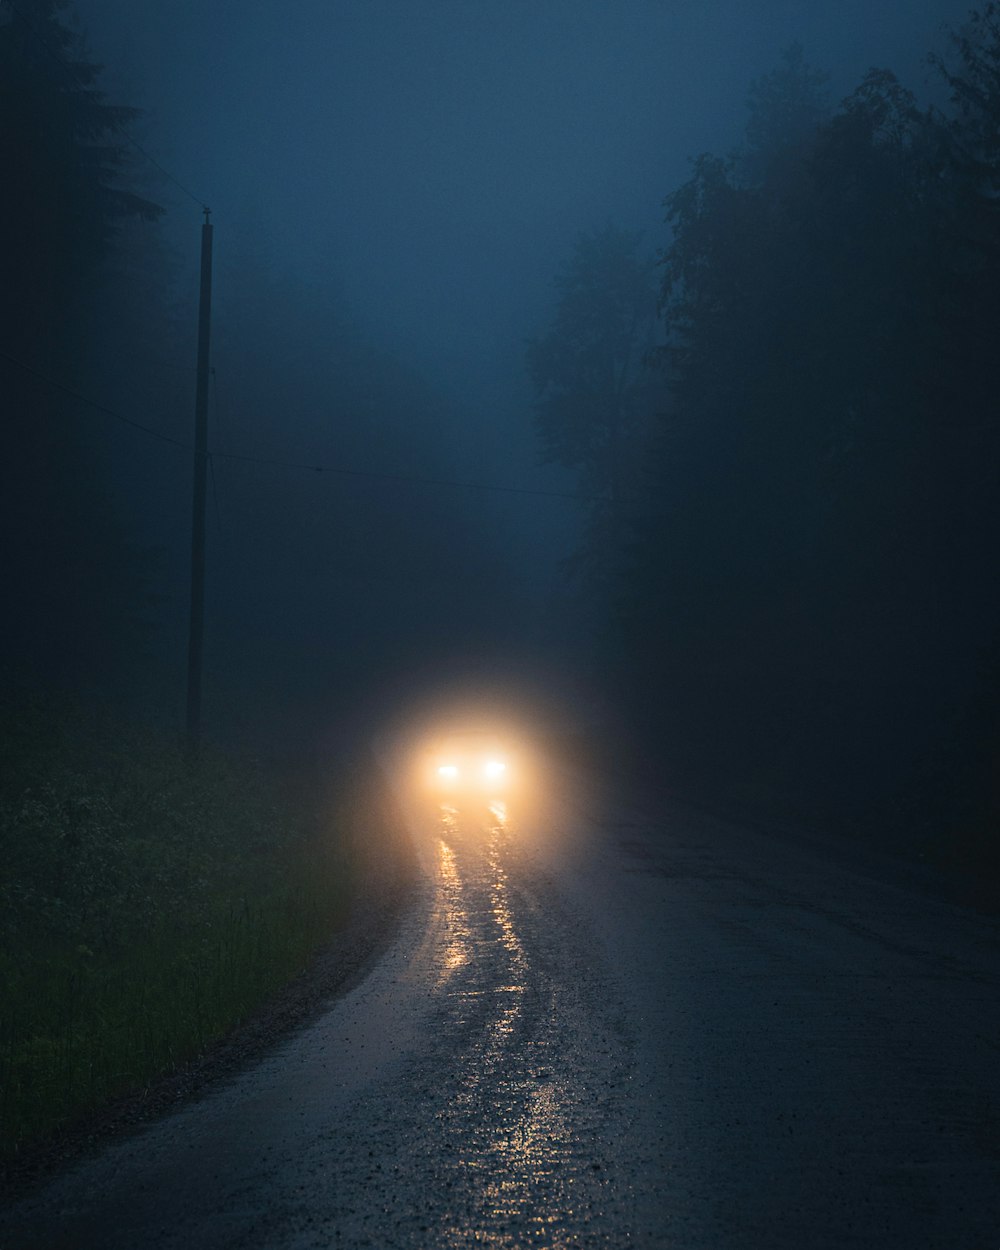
(600, 1028)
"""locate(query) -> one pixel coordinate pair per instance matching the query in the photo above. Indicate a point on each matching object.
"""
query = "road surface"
(599, 1027)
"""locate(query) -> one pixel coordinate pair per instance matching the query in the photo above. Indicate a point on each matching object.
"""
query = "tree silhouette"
(67, 571)
(809, 597)
(593, 387)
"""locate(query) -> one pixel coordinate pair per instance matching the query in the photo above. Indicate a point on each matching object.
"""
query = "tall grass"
(146, 906)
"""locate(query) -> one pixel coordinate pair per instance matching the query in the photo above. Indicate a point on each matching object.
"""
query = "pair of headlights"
(491, 769)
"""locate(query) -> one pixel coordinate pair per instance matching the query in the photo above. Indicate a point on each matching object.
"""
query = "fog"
(394, 189)
(436, 160)
(518, 651)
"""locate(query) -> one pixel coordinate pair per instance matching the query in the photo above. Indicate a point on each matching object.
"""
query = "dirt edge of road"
(386, 880)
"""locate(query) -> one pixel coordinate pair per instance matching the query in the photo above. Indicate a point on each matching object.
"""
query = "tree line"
(309, 575)
(788, 420)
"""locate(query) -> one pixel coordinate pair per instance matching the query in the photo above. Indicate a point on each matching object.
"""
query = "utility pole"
(197, 620)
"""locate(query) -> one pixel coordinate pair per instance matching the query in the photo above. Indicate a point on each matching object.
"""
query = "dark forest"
(720, 527)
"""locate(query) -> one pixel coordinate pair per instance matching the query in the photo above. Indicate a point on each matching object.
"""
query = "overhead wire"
(93, 403)
(405, 477)
(278, 462)
(222, 454)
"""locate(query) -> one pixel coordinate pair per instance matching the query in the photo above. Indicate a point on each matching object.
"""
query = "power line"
(72, 71)
(224, 455)
(92, 403)
(404, 477)
(277, 462)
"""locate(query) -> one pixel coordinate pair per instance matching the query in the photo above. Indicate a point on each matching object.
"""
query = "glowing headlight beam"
(494, 768)
(448, 770)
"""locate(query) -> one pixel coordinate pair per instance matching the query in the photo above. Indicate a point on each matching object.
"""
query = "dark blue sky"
(439, 156)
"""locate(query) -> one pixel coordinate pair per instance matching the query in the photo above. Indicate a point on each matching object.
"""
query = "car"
(470, 760)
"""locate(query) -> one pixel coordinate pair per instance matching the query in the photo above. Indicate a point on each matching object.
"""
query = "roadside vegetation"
(147, 906)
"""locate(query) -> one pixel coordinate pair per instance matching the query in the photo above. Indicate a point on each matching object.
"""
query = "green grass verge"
(146, 906)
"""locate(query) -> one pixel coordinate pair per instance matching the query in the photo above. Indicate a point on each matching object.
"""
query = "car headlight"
(495, 768)
(448, 770)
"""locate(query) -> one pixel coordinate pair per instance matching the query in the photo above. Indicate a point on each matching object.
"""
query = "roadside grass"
(147, 906)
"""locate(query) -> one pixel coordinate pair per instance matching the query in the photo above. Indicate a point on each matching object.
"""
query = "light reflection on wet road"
(600, 1029)
(525, 1171)
(471, 1092)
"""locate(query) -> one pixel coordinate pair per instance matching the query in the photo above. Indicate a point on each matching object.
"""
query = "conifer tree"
(66, 170)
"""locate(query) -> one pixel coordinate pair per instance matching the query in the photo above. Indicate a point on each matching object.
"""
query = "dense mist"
(500, 642)
(643, 345)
